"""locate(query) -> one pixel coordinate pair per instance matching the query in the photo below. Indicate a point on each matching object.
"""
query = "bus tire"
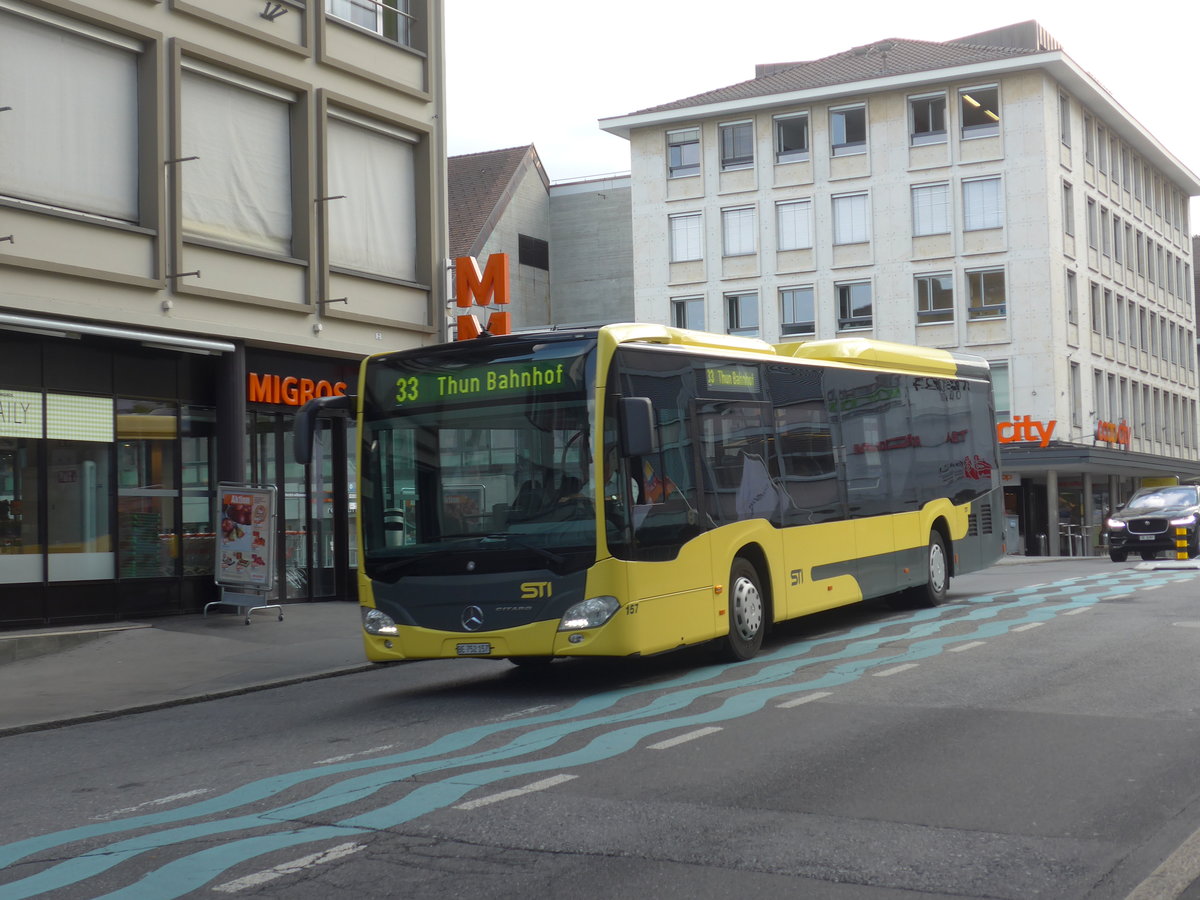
(747, 612)
(937, 574)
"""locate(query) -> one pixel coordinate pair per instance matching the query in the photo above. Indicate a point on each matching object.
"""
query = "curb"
(184, 701)
(28, 645)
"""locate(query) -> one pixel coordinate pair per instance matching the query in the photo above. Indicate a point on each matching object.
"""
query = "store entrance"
(316, 531)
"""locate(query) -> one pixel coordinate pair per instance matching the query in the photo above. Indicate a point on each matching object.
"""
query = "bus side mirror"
(638, 436)
(306, 423)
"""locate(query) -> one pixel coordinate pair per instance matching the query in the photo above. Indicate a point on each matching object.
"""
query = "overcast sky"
(543, 72)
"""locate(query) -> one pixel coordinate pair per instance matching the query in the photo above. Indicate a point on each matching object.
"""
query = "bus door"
(873, 414)
(818, 540)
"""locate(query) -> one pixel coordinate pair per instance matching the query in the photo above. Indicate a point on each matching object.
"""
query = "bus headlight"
(376, 622)
(1186, 520)
(591, 613)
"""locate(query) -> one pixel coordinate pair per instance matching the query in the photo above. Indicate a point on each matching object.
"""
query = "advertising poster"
(245, 536)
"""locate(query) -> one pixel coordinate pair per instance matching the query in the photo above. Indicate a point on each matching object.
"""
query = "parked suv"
(1147, 524)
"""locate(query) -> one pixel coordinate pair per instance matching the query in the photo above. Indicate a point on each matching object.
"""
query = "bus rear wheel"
(937, 574)
(747, 612)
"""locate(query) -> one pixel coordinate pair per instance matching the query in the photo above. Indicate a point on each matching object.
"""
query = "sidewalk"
(59, 676)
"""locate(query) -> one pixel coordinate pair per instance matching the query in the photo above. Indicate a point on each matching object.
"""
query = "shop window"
(20, 549)
(147, 488)
(197, 451)
(79, 487)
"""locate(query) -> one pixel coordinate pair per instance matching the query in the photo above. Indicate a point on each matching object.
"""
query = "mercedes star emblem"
(472, 618)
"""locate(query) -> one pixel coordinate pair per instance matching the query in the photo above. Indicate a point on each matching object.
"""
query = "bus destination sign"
(480, 383)
(735, 379)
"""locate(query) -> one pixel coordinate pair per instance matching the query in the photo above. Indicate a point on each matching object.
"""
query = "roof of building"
(479, 187)
(883, 58)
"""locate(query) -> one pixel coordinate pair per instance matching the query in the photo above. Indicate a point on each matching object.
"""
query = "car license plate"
(474, 649)
(1146, 537)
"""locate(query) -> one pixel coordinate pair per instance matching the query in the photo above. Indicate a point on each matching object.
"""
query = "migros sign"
(287, 390)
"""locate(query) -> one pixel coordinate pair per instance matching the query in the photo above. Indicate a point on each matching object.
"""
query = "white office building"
(985, 194)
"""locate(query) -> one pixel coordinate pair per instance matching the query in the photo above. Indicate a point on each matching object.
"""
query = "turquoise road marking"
(191, 872)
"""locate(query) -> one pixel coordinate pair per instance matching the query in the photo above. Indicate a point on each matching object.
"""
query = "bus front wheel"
(747, 612)
(937, 574)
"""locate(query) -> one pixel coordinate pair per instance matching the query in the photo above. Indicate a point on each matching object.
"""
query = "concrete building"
(208, 213)
(984, 194)
(569, 243)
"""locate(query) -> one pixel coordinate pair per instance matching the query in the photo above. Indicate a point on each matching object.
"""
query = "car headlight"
(376, 622)
(591, 613)
(1185, 520)
(1115, 524)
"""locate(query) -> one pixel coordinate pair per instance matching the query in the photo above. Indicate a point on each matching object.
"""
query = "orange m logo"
(473, 288)
(484, 289)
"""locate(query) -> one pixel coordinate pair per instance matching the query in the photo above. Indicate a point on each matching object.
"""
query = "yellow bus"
(634, 488)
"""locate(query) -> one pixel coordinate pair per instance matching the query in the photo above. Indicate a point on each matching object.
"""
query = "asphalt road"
(1034, 737)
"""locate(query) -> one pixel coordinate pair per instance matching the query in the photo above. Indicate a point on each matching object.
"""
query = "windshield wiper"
(540, 551)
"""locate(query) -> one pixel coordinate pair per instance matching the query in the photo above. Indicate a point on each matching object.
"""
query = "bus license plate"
(474, 649)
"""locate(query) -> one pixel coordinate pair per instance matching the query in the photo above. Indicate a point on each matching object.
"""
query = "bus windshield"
(479, 458)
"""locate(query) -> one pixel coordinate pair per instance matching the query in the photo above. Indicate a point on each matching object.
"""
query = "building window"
(931, 209)
(791, 138)
(371, 166)
(983, 204)
(854, 304)
(1064, 120)
(1101, 149)
(1092, 224)
(848, 130)
(389, 18)
(688, 312)
(1118, 241)
(1001, 391)
(794, 224)
(796, 311)
(71, 138)
(741, 313)
(850, 219)
(737, 145)
(737, 227)
(235, 126)
(935, 298)
(1072, 298)
(685, 237)
(985, 291)
(533, 252)
(979, 108)
(927, 119)
(1068, 209)
(683, 152)
(1094, 307)
(1076, 388)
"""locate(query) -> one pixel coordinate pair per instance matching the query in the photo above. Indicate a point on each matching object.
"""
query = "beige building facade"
(208, 212)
